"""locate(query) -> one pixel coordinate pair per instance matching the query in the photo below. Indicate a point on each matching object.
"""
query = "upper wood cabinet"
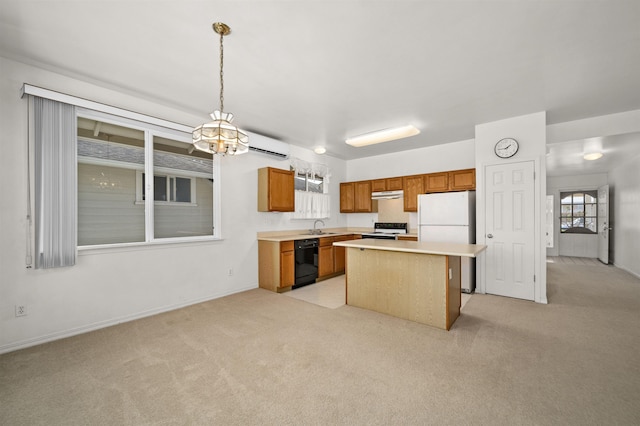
(394, 184)
(275, 190)
(413, 185)
(355, 197)
(462, 180)
(363, 201)
(436, 182)
(378, 185)
(387, 184)
(347, 197)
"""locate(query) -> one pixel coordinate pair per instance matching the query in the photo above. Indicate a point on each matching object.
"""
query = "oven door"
(380, 236)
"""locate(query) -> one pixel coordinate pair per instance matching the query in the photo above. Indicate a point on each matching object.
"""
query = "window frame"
(150, 131)
(140, 198)
(299, 175)
(584, 216)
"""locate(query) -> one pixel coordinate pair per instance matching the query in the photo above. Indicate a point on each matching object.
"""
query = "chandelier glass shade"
(220, 136)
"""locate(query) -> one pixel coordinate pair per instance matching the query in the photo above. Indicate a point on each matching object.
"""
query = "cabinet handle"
(489, 235)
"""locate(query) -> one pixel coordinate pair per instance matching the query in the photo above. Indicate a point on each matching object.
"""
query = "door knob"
(489, 235)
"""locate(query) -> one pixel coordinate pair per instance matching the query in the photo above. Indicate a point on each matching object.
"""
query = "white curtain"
(311, 205)
(55, 184)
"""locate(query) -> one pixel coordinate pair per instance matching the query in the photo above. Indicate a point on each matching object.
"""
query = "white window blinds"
(55, 184)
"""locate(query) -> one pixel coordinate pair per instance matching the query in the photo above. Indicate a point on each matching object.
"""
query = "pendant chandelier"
(220, 136)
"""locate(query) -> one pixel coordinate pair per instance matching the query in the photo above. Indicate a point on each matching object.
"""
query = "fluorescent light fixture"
(383, 136)
(592, 156)
(319, 149)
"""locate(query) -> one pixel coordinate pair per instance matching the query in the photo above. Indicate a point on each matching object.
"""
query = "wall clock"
(506, 148)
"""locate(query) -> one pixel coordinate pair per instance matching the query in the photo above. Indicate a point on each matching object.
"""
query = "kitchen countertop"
(302, 234)
(445, 249)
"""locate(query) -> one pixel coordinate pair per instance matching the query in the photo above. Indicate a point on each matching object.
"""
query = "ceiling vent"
(265, 145)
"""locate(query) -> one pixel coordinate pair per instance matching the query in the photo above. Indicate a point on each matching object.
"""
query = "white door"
(603, 224)
(510, 230)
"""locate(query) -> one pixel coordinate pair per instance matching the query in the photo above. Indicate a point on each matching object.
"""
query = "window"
(579, 212)
(115, 156)
(308, 182)
(168, 189)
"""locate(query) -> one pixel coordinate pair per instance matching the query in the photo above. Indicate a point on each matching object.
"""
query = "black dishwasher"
(306, 253)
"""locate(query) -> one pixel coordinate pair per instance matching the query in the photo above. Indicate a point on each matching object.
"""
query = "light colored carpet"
(262, 358)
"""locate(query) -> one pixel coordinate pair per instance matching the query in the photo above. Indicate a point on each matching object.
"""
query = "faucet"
(318, 231)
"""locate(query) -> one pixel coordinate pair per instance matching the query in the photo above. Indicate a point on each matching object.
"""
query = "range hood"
(386, 195)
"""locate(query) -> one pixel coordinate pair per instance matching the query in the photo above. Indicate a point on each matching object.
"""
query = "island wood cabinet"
(355, 197)
(275, 190)
(276, 265)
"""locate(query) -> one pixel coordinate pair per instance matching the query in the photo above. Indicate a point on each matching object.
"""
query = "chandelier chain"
(221, 72)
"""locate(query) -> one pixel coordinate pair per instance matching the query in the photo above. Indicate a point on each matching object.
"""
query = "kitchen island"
(417, 281)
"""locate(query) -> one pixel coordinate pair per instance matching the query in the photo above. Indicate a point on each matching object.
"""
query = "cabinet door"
(436, 182)
(413, 185)
(287, 269)
(394, 184)
(281, 195)
(379, 185)
(363, 197)
(462, 180)
(407, 238)
(339, 253)
(347, 197)
(325, 261)
(275, 190)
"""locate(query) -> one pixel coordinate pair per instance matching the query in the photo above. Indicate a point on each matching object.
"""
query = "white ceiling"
(316, 72)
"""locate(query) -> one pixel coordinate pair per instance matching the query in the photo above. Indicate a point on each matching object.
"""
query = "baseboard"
(626, 270)
(10, 347)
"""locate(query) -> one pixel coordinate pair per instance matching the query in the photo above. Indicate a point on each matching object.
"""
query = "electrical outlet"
(21, 310)
(230, 271)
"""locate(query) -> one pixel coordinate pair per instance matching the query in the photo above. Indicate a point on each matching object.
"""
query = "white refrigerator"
(450, 217)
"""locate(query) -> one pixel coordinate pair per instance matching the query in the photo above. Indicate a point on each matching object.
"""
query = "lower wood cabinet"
(407, 238)
(331, 259)
(276, 265)
(325, 261)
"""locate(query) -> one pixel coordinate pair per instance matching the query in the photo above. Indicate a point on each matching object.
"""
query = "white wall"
(530, 132)
(578, 245)
(624, 187)
(113, 285)
(437, 158)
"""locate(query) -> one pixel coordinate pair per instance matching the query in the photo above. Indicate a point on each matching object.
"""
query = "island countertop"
(445, 249)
